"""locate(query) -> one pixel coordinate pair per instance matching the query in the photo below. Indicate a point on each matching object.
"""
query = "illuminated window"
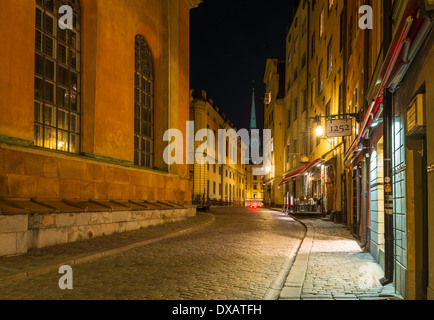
(57, 79)
(144, 104)
(329, 58)
(321, 23)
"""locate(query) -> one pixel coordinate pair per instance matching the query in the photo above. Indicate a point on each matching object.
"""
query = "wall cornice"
(192, 3)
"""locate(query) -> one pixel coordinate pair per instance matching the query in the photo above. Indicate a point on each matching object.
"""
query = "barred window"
(144, 104)
(321, 23)
(57, 78)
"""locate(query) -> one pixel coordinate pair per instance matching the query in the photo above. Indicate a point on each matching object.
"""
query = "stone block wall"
(20, 233)
(13, 234)
(39, 174)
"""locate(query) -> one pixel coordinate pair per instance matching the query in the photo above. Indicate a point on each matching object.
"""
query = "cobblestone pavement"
(338, 268)
(42, 258)
(236, 258)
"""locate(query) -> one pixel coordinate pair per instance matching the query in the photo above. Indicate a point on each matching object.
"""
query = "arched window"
(144, 104)
(57, 77)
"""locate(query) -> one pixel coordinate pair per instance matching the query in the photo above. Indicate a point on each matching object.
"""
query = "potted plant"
(302, 197)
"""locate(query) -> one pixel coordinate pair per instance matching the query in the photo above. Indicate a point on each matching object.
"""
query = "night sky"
(231, 41)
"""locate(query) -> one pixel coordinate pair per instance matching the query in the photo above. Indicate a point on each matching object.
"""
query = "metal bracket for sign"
(430, 168)
(343, 116)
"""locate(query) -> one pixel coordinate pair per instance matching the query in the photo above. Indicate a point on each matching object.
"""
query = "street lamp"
(319, 131)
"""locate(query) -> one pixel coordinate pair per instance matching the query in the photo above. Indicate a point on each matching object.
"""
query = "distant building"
(274, 120)
(215, 183)
(255, 187)
(254, 184)
(255, 142)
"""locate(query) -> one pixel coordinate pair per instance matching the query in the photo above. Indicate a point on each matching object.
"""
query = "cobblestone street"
(236, 258)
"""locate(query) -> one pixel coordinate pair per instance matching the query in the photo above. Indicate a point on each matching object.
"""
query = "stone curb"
(107, 253)
(292, 288)
(276, 287)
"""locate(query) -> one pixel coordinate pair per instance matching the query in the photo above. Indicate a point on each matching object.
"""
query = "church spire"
(253, 114)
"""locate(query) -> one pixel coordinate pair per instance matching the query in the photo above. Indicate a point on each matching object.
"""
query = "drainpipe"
(388, 153)
(364, 204)
(365, 176)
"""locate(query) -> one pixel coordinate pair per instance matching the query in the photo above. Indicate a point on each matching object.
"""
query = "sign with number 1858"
(339, 128)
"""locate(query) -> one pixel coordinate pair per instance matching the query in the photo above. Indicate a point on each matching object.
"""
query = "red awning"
(298, 172)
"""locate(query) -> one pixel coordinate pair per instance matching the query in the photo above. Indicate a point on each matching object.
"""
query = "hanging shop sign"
(339, 128)
(415, 119)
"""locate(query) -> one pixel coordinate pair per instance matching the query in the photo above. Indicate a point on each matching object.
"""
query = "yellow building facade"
(314, 94)
(219, 184)
(274, 80)
(326, 96)
(296, 112)
(255, 186)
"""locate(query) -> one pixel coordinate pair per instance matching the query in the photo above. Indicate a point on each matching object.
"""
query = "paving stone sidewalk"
(330, 265)
(40, 261)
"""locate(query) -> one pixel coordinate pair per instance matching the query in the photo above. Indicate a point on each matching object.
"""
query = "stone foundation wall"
(20, 233)
(42, 174)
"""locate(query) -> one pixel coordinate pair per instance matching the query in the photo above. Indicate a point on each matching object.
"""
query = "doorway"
(420, 194)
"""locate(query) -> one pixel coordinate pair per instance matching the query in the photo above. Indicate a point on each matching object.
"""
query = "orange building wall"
(108, 35)
(17, 67)
(184, 75)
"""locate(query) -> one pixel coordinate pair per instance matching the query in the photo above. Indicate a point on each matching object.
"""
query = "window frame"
(144, 110)
(57, 122)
